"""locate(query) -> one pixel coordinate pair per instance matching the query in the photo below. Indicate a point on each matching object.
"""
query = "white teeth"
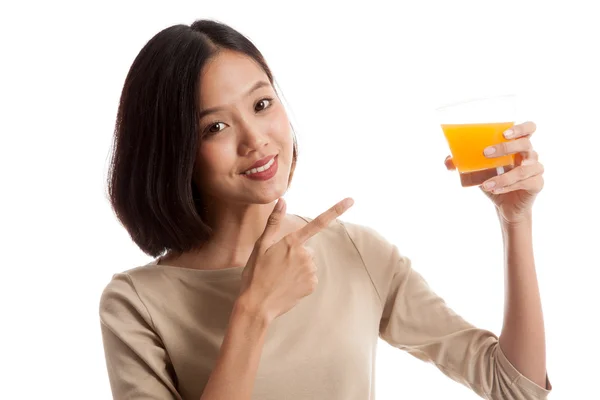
(261, 169)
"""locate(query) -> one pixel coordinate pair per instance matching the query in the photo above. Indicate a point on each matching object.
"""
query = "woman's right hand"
(279, 274)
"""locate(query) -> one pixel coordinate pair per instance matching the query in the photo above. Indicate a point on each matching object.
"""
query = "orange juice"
(467, 142)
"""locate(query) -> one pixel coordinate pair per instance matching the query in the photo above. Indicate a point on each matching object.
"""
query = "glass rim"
(474, 100)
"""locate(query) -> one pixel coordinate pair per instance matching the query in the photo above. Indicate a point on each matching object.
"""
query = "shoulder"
(379, 257)
(121, 295)
(131, 277)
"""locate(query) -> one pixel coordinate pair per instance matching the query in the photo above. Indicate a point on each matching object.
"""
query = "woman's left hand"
(514, 192)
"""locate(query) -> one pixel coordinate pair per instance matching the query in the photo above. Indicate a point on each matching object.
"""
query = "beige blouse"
(162, 328)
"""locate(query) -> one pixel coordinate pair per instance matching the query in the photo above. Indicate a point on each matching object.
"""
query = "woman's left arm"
(513, 193)
(415, 319)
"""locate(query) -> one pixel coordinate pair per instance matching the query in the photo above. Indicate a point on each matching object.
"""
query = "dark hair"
(150, 184)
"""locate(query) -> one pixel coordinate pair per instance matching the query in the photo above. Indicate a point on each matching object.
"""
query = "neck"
(236, 228)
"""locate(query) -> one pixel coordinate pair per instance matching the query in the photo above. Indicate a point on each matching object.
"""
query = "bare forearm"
(235, 370)
(523, 339)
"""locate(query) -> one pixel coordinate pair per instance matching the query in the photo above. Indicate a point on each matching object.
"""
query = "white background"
(361, 82)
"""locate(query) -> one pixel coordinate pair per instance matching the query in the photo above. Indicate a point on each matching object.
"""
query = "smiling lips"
(263, 172)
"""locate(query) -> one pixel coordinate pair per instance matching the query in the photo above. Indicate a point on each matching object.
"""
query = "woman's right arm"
(276, 278)
(286, 275)
(235, 369)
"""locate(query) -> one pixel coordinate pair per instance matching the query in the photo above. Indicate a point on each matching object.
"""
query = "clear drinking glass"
(471, 126)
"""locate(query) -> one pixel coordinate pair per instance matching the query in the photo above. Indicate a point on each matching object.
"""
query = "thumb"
(274, 221)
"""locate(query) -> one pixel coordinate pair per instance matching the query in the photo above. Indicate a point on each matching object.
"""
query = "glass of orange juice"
(471, 126)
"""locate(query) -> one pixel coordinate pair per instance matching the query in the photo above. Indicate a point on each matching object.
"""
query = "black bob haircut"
(156, 139)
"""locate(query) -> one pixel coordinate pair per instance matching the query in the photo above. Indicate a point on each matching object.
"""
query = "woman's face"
(241, 122)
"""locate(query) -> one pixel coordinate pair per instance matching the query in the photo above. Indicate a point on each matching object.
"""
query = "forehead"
(227, 77)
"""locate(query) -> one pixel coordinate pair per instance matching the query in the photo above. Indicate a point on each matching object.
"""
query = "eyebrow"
(256, 86)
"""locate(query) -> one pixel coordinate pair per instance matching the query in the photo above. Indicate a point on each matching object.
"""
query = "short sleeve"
(419, 322)
(137, 362)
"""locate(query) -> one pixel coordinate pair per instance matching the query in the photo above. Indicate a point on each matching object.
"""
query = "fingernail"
(489, 151)
(509, 134)
(489, 185)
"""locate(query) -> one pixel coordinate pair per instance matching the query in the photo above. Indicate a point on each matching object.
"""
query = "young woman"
(244, 301)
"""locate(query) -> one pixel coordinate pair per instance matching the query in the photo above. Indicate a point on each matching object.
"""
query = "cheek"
(281, 130)
(214, 158)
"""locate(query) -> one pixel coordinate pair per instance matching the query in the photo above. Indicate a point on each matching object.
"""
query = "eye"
(263, 104)
(214, 128)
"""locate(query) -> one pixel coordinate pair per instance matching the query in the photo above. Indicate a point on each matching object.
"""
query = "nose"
(252, 136)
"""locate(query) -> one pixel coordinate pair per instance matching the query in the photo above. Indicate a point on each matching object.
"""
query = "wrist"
(251, 309)
(524, 219)
(518, 233)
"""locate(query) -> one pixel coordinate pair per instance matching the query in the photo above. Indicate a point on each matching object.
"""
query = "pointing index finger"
(323, 220)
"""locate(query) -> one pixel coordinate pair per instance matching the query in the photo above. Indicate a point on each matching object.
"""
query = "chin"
(272, 195)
